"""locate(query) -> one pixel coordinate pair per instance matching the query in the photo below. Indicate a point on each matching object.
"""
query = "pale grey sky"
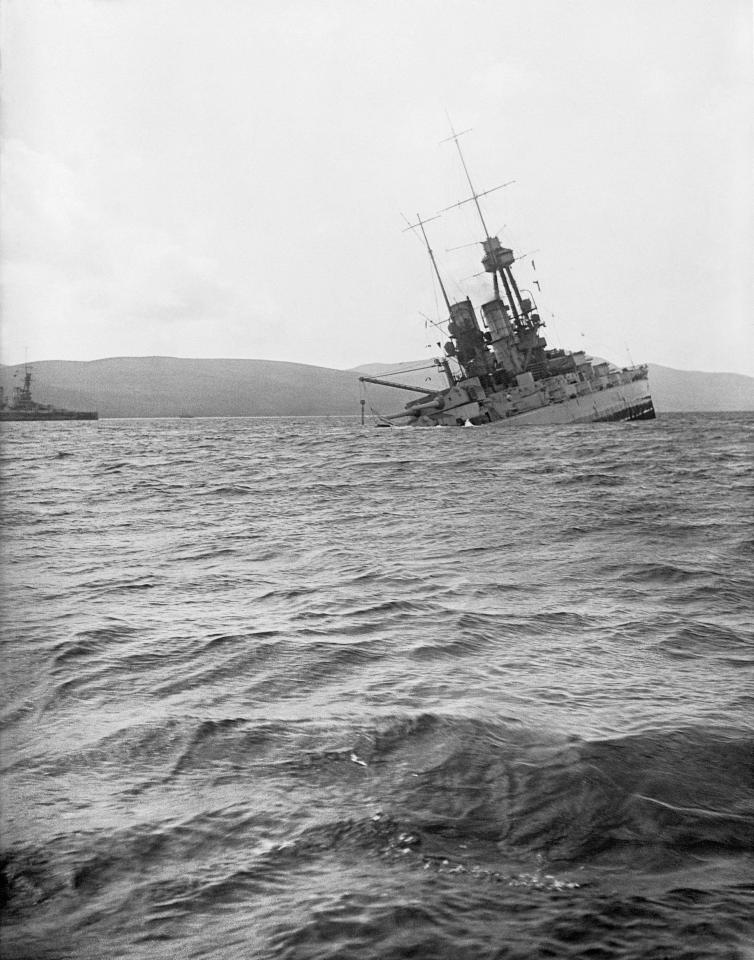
(225, 178)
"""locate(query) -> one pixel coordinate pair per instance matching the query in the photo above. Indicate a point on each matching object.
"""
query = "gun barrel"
(398, 386)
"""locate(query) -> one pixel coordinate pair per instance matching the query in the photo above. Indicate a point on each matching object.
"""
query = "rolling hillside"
(171, 387)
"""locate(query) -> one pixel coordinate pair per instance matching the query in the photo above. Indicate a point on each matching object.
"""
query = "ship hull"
(6, 415)
(630, 401)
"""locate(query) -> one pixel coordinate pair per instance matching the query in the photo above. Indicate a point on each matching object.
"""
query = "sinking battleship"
(23, 407)
(501, 372)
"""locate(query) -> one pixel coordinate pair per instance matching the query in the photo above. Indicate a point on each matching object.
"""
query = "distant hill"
(171, 387)
(685, 390)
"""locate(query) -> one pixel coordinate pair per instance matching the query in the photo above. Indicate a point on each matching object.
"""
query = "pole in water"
(362, 411)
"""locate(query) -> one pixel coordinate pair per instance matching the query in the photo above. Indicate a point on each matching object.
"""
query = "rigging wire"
(396, 373)
(434, 291)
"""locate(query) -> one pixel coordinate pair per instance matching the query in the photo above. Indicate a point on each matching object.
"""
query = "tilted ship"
(22, 407)
(501, 372)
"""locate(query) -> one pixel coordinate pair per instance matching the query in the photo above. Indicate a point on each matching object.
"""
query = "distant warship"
(502, 372)
(22, 407)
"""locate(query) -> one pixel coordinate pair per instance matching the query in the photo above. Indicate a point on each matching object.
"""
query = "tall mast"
(497, 259)
(474, 195)
(420, 223)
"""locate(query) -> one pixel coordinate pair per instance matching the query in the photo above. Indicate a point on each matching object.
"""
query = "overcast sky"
(226, 178)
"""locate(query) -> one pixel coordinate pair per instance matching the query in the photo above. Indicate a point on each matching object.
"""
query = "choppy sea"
(291, 688)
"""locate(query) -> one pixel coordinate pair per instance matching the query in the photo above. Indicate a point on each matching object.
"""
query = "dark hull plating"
(641, 411)
(49, 415)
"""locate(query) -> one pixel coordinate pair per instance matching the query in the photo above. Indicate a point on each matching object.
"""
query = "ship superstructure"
(500, 371)
(23, 407)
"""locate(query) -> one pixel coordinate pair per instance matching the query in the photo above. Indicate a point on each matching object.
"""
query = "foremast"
(22, 395)
(511, 343)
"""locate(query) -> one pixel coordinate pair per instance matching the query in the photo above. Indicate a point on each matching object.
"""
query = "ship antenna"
(474, 195)
(492, 260)
(420, 223)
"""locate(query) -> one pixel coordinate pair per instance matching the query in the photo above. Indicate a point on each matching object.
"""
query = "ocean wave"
(301, 690)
